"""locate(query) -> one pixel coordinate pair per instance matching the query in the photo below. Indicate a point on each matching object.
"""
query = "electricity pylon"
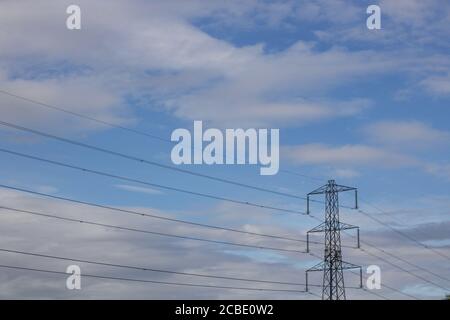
(332, 265)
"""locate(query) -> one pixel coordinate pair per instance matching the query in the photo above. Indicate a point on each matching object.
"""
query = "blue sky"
(369, 108)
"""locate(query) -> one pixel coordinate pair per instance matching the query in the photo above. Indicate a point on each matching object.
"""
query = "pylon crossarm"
(320, 190)
(346, 226)
(349, 266)
(342, 226)
(318, 267)
(340, 188)
(319, 228)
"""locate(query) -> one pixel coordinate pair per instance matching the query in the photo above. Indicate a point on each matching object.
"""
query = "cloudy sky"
(369, 108)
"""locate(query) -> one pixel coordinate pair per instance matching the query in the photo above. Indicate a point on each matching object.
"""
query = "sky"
(368, 108)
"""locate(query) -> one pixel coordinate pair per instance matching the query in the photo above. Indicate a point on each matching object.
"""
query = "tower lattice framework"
(332, 265)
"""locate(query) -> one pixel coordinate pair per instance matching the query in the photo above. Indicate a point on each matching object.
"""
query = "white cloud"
(411, 30)
(439, 170)
(359, 156)
(346, 173)
(192, 74)
(138, 189)
(84, 95)
(425, 290)
(439, 85)
(101, 244)
(230, 110)
(47, 189)
(356, 155)
(85, 241)
(410, 12)
(406, 133)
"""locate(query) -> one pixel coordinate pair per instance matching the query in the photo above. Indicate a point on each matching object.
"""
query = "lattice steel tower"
(332, 265)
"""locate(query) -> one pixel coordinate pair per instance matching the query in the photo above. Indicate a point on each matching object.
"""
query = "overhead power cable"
(115, 265)
(369, 245)
(85, 275)
(113, 125)
(395, 265)
(151, 184)
(371, 216)
(403, 269)
(301, 175)
(376, 294)
(83, 116)
(383, 285)
(144, 214)
(129, 229)
(99, 224)
(145, 161)
(403, 234)
(391, 264)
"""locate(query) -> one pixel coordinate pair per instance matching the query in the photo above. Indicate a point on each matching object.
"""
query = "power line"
(34, 131)
(151, 281)
(149, 162)
(143, 214)
(112, 125)
(395, 265)
(300, 175)
(259, 247)
(398, 291)
(369, 290)
(403, 269)
(400, 232)
(115, 265)
(153, 163)
(390, 288)
(366, 290)
(106, 123)
(151, 269)
(314, 294)
(376, 294)
(159, 186)
(370, 216)
(145, 161)
(405, 261)
(148, 215)
(99, 224)
(409, 263)
(152, 136)
(137, 230)
(225, 199)
(384, 285)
